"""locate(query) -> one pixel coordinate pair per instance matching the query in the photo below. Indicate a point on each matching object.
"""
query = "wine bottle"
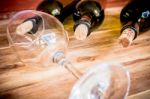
(88, 14)
(55, 8)
(29, 25)
(135, 18)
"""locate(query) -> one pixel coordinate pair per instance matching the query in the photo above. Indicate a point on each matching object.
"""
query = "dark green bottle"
(135, 18)
(55, 8)
(88, 14)
(29, 25)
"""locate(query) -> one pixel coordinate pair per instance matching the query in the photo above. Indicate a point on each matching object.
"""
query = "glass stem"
(60, 59)
(68, 65)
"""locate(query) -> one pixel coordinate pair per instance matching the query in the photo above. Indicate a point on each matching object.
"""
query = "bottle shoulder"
(133, 10)
(89, 8)
(49, 5)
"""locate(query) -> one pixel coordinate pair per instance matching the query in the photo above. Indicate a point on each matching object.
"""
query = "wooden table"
(19, 81)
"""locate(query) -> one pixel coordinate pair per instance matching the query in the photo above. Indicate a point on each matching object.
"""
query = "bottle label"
(127, 37)
(49, 38)
(128, 33)
(145, 14)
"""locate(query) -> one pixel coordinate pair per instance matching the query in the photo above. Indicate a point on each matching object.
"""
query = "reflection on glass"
(103, 81)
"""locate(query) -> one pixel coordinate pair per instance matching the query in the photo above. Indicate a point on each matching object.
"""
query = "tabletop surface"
(19, 81)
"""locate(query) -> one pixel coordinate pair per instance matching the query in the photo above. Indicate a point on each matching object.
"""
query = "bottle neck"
(36, 21)
(87, 18)
(128, 33)
(88, 14)
(82, 27)
(29, 26)
(133, 26)
(68, 10)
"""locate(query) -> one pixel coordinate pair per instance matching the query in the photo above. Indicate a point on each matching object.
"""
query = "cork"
(81, 32)
(24, 28)
(127, 37)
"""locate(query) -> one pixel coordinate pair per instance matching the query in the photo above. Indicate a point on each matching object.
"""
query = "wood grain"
(18, 81)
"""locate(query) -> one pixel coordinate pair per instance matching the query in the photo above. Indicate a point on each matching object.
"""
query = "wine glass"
(47, 44)
(39, 39)
(103, 81)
